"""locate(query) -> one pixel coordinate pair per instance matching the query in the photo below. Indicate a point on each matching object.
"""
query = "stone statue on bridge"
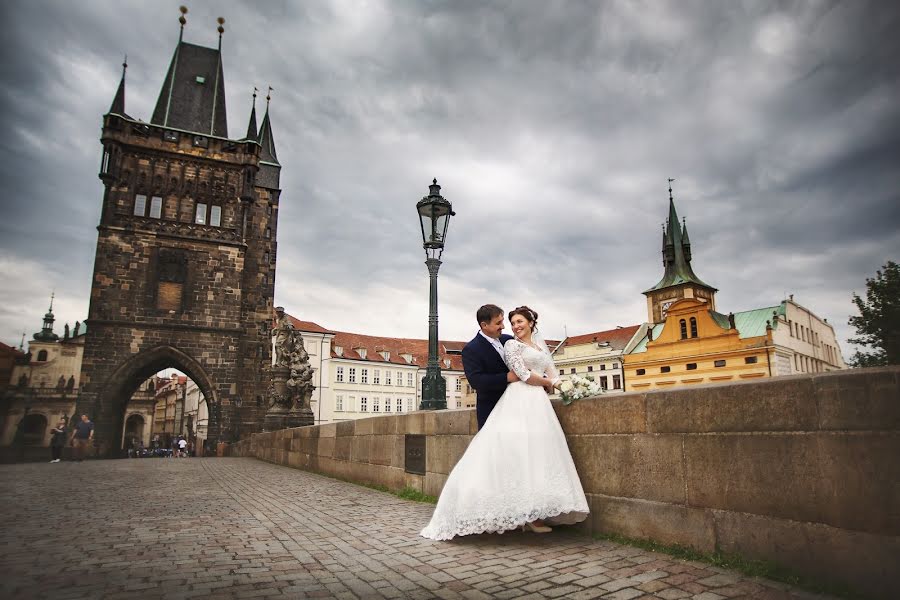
(292, 387)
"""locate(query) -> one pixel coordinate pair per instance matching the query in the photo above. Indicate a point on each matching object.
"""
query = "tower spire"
(46, 333)
(676, 252)
(118, 104)
(212, 120)
(252, 131)
(266, 139)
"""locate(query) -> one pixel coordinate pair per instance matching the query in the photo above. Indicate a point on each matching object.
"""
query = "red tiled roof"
(352, 342)
(10, 350)
(308, 326)
(617, 338)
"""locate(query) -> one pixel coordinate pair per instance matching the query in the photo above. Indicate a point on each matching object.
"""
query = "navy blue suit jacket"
(486, 372)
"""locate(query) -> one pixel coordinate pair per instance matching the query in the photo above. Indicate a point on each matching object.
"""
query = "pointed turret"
(118, 104)
(192, 97)
(251, 126)
(685, 240)
(46, 333)
(676, 253)
(269, 168)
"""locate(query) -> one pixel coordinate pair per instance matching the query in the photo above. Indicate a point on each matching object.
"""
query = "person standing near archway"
(82, 437)
(58, 440)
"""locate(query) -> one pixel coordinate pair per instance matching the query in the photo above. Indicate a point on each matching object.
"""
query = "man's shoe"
(55, 460)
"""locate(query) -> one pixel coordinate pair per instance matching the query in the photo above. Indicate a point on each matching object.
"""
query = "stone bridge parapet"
(802, 470)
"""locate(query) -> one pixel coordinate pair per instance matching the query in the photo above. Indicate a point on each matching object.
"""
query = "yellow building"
(698, 345)
(688, 342)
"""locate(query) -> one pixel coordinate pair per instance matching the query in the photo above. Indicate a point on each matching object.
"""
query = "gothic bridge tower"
(184, 271)
(678, 281)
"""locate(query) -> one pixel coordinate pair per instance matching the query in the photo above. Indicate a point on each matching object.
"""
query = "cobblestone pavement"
(242, 528)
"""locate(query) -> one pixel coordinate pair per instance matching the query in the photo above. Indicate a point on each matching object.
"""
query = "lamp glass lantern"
(434, 217)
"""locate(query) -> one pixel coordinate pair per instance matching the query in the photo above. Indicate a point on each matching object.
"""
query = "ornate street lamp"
(434, 216)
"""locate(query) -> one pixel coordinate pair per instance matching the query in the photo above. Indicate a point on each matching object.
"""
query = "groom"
(484, 361)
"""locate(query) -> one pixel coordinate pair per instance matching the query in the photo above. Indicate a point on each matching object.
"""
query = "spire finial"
(670, 187)
(52, 295)
(124, 66)
(221, 30)
(182, 20)
(254, 96)
(22, 343)
(269, 97)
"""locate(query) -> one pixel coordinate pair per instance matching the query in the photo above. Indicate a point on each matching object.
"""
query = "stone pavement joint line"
(241, 528)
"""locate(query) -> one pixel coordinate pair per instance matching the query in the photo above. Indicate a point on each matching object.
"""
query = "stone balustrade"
(803, 470)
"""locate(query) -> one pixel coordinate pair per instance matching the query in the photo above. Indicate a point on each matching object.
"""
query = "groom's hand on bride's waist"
(511, 377)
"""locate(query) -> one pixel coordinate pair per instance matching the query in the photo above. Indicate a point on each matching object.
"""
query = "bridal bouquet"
(579, 387)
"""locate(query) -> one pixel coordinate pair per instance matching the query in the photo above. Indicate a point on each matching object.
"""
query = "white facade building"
(598, 355)
(360, 375)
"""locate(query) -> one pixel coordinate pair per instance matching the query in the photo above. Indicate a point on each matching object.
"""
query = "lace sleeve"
(515, 361)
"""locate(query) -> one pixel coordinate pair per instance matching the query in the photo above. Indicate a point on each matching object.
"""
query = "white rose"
(566, 386)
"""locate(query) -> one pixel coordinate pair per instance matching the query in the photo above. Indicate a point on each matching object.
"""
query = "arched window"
(693, 327)
(684, 329)
(42, 356)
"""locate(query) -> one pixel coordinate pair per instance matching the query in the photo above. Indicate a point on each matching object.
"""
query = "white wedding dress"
(518, 468)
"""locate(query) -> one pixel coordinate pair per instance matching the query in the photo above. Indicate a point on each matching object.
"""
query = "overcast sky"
(552, 127)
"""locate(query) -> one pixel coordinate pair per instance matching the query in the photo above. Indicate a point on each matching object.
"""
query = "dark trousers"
(56, 451)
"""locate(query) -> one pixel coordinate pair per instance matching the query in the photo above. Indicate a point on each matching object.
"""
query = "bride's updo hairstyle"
(530, 315)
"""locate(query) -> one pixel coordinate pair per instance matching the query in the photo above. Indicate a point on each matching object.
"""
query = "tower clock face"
(665, 308)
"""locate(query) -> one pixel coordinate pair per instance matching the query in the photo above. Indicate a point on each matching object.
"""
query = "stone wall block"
(765, 473)
(859, 480)
(382, 450)
(398, 451)
(823, 553)
(773, 405)
(855, 399)
(361, 449)
(412, 423)
(386, 425)
(326, 447)
(624, 413)
(658, 521)
(343, 447)
(631, 466)
(364, 426)
(434, 483)
(345, 428)
(326, 429)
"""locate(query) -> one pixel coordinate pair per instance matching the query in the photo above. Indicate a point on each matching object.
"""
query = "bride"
(517, 471)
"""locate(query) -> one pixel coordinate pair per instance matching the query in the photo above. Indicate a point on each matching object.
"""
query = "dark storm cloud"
(551, 125)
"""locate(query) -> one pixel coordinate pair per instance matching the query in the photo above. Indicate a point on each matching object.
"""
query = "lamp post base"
(434, 390)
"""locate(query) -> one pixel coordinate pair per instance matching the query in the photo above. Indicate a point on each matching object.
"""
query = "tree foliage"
(878, 323)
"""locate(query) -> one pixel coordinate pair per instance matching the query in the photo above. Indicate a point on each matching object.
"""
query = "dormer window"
(386, 355)
(339, 350)
(361, 352)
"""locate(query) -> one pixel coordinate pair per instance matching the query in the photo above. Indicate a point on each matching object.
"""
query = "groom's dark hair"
(488, 313)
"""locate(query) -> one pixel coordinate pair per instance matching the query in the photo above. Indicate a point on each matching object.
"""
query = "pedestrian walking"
(58, 441)
(82, 437)
(182, 447)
